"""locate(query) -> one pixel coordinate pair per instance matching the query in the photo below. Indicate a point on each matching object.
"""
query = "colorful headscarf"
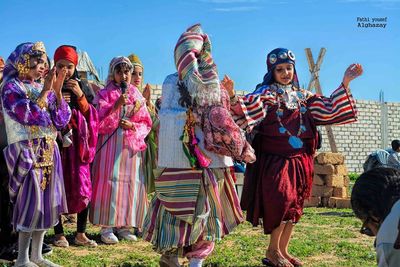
(66, 52)
(115, 62)
(18, 62)
(135, 60)
(196, 67)
(275, 57)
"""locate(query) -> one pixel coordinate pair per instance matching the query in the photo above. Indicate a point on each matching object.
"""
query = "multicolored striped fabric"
(119, 195)
(216, 214)
(34, 208)
(177, 190)
(339, 108)
(196, 66)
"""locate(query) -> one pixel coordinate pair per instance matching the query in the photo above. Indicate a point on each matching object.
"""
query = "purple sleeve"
(60, 114)
(20, 108)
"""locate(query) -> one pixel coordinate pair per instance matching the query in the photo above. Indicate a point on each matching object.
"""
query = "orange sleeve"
(83, 105)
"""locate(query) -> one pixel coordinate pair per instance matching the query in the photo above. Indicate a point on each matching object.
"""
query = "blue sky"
(242, 32)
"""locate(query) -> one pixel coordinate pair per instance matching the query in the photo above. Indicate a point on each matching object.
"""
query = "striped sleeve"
(339, 108)
(253, 108)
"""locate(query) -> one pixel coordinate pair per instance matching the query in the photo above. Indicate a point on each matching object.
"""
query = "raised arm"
(340, 107)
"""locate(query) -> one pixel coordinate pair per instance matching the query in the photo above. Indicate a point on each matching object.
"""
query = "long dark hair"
(375, 192)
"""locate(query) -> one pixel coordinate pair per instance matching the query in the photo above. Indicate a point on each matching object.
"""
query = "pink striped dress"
(119, 195)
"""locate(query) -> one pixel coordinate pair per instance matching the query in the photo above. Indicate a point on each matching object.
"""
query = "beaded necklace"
(293, 100)
(43, 161)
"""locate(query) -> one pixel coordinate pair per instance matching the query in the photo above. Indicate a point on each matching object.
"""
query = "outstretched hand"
(229, 85)
(352, 72)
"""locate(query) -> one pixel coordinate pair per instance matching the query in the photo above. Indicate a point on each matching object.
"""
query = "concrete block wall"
(357, 140)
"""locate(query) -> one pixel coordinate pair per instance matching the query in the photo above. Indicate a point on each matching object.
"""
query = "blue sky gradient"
(242, 32)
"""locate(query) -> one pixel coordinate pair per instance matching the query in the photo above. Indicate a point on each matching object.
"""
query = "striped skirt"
(34, 208)
(119, 195)
(216, 213)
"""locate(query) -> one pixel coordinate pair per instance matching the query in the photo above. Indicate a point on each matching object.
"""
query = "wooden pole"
(314, 82)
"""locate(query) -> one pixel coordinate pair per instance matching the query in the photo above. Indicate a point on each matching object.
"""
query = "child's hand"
(59, 81)
(352, 72)
(122, 100)
(228, 84)
(147, 92)
(49, 80)
(126, 125)
(73, 85)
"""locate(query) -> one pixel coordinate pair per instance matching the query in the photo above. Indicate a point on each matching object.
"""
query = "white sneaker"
(109, 238)
(45, 263)
(126, 234)
(194, 262)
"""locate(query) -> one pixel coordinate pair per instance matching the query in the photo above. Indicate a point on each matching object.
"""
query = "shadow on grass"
(336, 213)
(70, 236)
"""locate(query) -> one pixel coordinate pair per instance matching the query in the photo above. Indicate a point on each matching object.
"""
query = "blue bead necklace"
(294, 140)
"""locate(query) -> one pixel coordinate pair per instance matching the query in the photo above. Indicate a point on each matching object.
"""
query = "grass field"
(324, 237)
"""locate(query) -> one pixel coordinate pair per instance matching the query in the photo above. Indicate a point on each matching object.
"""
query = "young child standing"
(32, 114)
(78, 148)
(119, 197)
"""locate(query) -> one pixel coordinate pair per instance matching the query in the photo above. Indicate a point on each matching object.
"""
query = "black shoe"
(8, 253)
(46, 250)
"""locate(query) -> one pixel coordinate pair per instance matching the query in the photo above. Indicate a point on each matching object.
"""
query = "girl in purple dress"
(32, 114)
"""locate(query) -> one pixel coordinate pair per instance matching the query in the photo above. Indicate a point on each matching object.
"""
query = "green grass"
(324, 237)
(353, 176)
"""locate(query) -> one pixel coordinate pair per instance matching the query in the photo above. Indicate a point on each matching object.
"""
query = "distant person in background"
(375, 200)
(119, 199)
(8, 238)
(149, 156)
(395, 150)
(2, 64)
(78, 147)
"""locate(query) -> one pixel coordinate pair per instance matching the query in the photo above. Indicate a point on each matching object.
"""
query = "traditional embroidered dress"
(33, 160)
(277, 184)
(76, 158)
(190, 205)
(195, 202)
(119, 194)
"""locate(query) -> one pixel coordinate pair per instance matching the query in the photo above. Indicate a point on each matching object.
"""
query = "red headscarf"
(66, 52)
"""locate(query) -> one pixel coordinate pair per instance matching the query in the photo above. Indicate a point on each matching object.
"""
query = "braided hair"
(375, 192)
(185, 100)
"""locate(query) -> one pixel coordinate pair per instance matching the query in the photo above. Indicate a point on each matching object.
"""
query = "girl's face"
(137, 76)
(122, 74)
(37, 68)
(283, 73)
(63, 63)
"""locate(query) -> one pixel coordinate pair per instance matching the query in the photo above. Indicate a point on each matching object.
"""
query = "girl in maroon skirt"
(283, 120)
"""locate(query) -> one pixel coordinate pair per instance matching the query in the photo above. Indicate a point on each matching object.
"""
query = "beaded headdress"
(18, 63)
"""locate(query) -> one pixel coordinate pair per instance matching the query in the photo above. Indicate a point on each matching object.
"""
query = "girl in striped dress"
(32, 115)
(286, 117)
(195, 202)
(119, 198)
